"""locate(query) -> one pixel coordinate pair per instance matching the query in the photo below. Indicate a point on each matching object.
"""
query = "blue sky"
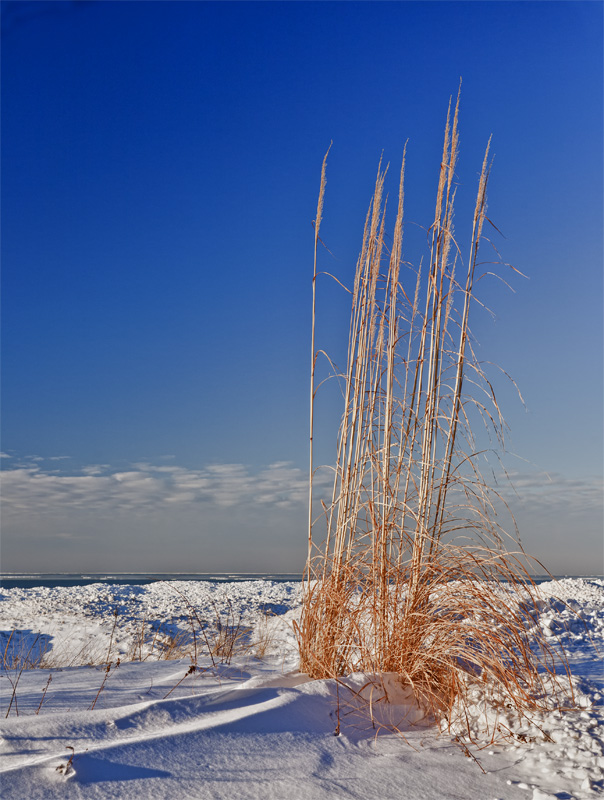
(160, 166)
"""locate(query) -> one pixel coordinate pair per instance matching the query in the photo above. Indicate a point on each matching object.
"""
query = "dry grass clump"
(413, 577)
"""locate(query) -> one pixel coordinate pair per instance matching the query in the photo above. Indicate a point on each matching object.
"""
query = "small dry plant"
(413, 577)
(220, 639)
(22, 650)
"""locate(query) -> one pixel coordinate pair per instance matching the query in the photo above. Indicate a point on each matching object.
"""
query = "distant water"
(29, 580)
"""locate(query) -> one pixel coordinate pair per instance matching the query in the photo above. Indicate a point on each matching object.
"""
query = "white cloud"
(146, 489)
(229, 508)
(554, 493)
(95, 469)
(31, 489)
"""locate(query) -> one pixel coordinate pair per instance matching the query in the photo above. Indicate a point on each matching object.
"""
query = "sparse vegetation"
(415, 576)
(218, 640)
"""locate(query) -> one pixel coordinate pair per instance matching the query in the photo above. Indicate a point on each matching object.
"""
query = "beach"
(192, 690)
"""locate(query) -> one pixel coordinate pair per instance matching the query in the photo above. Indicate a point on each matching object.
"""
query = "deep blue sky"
(160, 165)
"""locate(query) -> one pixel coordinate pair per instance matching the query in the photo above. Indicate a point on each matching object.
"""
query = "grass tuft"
(415, 575)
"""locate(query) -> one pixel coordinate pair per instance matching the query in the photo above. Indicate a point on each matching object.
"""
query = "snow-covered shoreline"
(255, 727)
(75, 616)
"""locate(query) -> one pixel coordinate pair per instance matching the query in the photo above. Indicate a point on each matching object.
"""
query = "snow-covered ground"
(255, 727)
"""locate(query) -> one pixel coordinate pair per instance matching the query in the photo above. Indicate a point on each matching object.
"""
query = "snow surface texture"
(255, 727)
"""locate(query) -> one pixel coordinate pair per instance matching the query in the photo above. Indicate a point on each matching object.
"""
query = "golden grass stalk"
(413, 577)
(313, 354)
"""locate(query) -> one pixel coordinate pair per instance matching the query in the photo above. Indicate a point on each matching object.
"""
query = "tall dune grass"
(415, 575)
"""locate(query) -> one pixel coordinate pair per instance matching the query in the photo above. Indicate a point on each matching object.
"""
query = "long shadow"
(23, 647)
(95, 769)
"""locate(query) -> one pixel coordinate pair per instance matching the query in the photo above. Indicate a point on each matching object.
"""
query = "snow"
(256, 727)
